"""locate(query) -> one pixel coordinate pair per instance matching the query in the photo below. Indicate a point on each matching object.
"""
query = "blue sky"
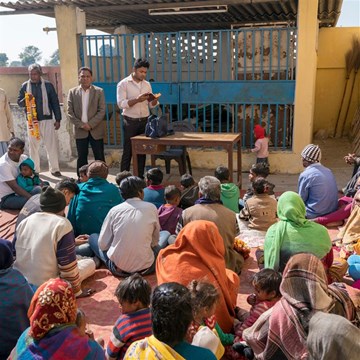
(20, 31)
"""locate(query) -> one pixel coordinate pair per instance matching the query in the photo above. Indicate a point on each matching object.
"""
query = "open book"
(152, 96)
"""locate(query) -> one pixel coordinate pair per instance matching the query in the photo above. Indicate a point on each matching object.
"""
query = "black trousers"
(82, 146)
(132, 127)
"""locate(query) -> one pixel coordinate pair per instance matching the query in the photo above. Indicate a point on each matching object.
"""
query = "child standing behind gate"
(261, 145)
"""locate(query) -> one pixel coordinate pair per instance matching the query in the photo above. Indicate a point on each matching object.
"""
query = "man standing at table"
(133, 98)
(86, 110)
(41, 125)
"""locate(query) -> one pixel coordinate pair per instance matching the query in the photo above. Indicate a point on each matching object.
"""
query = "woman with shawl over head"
(281, 332)
(294, 234)
(52, 333)
(15, 297)
(198, 254)
(349, 235)
(340, 341)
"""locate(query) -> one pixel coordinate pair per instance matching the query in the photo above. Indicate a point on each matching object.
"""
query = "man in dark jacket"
(40, 124)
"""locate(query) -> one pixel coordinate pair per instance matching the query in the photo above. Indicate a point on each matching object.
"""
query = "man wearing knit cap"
(89, 208)
(45, 243)
(317, 185)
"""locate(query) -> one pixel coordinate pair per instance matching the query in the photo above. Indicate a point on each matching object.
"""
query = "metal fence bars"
(219, 81)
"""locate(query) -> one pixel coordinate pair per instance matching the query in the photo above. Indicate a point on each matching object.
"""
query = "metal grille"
(220, 81)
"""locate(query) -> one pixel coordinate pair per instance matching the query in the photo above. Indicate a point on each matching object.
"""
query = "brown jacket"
(260, 210)
(96, 112)
(225, 220)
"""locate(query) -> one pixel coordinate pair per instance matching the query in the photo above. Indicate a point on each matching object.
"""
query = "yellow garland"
(242, 247)
(31, 115)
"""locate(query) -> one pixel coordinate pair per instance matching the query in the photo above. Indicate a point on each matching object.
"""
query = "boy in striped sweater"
(134, 324)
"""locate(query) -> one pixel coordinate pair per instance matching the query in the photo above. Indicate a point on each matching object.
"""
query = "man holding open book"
(134, 97)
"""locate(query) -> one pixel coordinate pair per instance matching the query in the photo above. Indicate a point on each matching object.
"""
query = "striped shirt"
(256, 310)
(129, 328)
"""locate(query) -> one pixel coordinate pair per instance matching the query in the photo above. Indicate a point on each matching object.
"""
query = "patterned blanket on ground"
(7, 223)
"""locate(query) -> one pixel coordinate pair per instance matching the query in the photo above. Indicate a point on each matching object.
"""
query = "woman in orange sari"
(198, 254)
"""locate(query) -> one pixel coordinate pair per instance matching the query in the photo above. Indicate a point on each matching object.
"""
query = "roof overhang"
(140, 16)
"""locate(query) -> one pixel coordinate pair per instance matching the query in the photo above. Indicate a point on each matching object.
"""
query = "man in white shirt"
(129, 236)
(132, 97)
(12, 196)
(86, 110)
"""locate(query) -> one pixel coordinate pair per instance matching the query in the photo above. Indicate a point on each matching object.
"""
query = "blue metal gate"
(220, 81)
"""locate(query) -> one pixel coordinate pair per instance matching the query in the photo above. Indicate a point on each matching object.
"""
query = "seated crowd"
(186, 236)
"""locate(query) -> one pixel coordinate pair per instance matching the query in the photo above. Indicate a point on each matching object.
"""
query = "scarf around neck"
(151, 348)
(205, 201)
(45, 100)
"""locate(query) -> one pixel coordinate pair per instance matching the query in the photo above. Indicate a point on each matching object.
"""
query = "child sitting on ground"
(261, 145)
(134, 324)
(230, 193)
(204, 298)
(28, 179)
(83, 177)
(154, 192)
(119, 178)
(189, 191)
(81, 323)
(260, 209)
(257, 170)
(266, 284)
(170, 213)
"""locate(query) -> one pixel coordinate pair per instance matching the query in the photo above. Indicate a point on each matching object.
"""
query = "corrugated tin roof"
(109, 14)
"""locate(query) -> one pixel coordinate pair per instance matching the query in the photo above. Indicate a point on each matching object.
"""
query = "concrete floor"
(333, 152)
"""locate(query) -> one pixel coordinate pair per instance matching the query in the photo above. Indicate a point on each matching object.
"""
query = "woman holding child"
(198, 253)
(281, 332)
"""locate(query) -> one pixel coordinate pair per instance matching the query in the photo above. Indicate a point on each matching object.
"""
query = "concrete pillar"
(70, 24)
(125, 50)
(306, 63)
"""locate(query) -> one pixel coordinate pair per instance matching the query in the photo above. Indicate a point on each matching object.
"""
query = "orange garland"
(31, 115)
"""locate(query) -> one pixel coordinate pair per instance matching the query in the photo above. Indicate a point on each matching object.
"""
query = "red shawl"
(198, 254)
(53, 304)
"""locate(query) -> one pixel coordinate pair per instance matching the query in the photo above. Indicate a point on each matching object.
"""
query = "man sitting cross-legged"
(45, 245)
(209, 207)
(129, 236)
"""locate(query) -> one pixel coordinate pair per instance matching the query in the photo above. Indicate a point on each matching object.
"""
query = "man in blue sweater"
(317, 185)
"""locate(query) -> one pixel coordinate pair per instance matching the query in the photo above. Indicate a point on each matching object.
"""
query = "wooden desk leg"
(230, 161)
(134, 159)
(239, 164)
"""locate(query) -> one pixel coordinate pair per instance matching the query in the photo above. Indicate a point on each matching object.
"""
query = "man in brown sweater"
(209, 207)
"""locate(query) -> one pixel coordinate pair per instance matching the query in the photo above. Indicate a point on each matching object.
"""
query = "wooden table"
(145, 145)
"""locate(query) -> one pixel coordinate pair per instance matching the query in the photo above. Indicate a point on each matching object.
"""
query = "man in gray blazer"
(86, 110)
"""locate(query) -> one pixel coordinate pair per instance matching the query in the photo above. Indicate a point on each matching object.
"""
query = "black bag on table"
(157, 126)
